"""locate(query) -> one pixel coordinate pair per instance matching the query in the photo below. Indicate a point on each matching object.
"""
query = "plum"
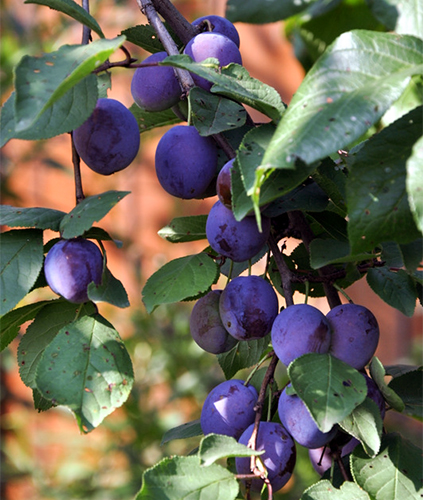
(229, 408)
(237, 240)
(355, 334)
(155, 88)
(186, 162)
(109, 140)
(300, 329)
(374, 394)
(211, 44)
(223, 184)
(71, 265)
(321, 458)
(220, 25)
(248, 307)
(206, 326)
(279, 456)
(298, 421)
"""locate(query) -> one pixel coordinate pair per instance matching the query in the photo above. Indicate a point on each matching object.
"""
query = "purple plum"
(220, 25)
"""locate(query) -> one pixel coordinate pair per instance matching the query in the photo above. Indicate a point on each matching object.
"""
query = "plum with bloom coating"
(229, 408)
(71, 265)
(220, 25)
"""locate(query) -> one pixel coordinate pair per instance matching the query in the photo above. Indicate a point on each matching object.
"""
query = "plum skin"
(220, 25)
(315, 455)
(108, 141)
(223, 184)
(212, 44)
(185, 162)
(298, 421)
(355, 334)
(237, 240)
(71, 265)
(300, 329)
(279, 456)
(155, 88)
(248, 307)
(229, 408)
(206, 326)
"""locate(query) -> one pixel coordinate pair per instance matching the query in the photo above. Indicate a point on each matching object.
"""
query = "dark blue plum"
(109, 140)
(279, 456)
(155, 88)
(206, 326)
(300, 329)
(223, 184)
(229, 408)
(71, 265)
(220, 25)
(237, 240)
(211, 44)
(321, 458)
(186, 162)
(248, 307)
(355, 334)
(298, 421)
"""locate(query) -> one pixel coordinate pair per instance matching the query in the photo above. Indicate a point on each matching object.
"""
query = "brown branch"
(183, 29)
(76, 161)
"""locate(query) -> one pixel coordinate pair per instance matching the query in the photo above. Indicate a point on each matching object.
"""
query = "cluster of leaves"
(358, 191)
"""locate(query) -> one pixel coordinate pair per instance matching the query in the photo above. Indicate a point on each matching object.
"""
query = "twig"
(183, 29)
(76, 161)
(86, 31)
(284, 271)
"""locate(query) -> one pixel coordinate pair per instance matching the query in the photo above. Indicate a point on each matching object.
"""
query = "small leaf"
(396, 288)
(180, 279)
(215, 446)
(111, 290)
(325, 251)
(334, 390)
(145, 36)
(21, 260)
(183, 477)
(394, 474)
(184, 229)
(86, 367)
(148, 121)
(184, 431)
(90, 210)
(324, 490)
(409, 388)
(414, 182)
(39, 218)
(377, 371)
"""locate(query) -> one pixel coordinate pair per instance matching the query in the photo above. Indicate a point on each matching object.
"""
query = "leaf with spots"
(87, 368)
(325, 490)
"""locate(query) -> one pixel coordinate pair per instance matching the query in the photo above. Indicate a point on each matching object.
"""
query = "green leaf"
(65, 115)
(401, 17)
(183, 477)
(86, 367)
(234, 82)
(99, 234)
(215, 446)
(365, 424)
(325, 251)
(50, 319)
(396, 288)
(348, 89)
(41, 81)
(243, 355)
(212, 114)
(409, 388)
(21, 260)
(40, 403)
(332, 179)
(40, 218)
(376, 187)
(324, 490)
(145, 36)
(184, 431)
(90, 210)
(73, 10)
(396, 472)
(334, 390)
(10, 323)
(377, 371)
(414, 182)
(180, 279)
(184, 229)
(111, 290)
(148, 121)
(398, 370)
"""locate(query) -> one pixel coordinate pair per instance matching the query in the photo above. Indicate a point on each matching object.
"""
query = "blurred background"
(43, 455)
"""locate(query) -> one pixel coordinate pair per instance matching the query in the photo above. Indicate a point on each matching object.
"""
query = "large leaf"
(90, 210)
(184, 229)
(41, 81)
(414, 182)
(86, 367)
(324, 490)
(180, 279)
(376, 187)
(401, 17)
(409, 388)
(394, 474)
(348, 89)
(66, 114)
(184, 477)
(215, 446)
(73, 10)
(333, 391)
(40, 218)
(21, 260)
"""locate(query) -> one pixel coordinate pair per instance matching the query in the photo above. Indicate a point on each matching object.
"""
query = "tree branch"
(183, 29)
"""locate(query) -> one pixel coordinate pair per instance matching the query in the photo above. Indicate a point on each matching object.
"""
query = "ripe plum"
(220, 25)
(223, 184)
(321, 458)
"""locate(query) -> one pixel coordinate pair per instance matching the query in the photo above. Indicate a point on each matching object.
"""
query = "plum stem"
(76, 161)
(284, 271)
